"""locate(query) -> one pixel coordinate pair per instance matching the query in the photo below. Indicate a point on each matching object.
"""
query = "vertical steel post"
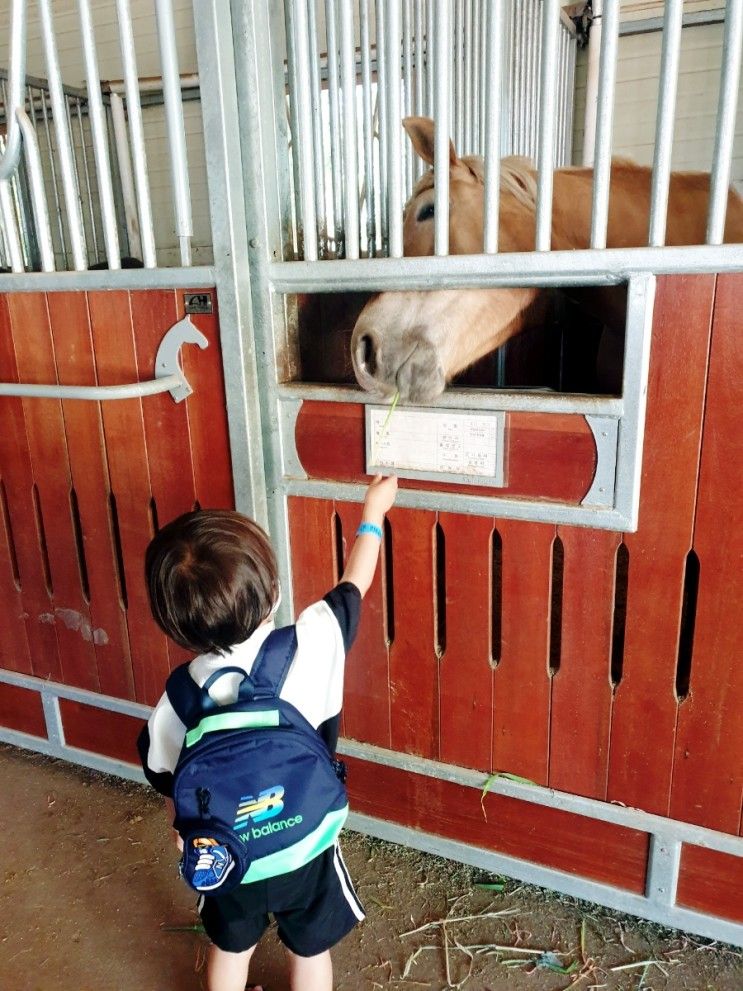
(177, 151)
(492, 120)
(100, 137)
(728, 101)
(336, 142)
(394, 136)
(14, 98)
(303, 139)
(136, 130)
(318, 143)
(350, 136)
(441, 136)
(75, 223)
(368, 133)
(546, 152)
(604, 122)
(38, 195)
(667, 86)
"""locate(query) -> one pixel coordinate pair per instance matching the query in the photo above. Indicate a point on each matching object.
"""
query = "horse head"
(415, 342)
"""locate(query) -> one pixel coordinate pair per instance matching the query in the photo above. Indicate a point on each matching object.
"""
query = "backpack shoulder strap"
(271, 666)
(184, 694)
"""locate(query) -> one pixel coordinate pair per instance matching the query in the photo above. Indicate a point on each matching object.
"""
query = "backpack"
(256, 790)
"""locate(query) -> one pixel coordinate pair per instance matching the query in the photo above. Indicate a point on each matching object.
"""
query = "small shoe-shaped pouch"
(214, 860)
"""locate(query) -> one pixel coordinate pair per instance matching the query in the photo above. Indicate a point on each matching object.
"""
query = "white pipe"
(38, 196)
(121, 141)
(592, 85)
(15, 97)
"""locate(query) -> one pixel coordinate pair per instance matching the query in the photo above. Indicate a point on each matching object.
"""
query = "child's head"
(212, 579)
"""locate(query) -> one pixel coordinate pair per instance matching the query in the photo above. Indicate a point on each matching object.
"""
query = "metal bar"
(394, 151)
(304, 143)
(664, 861)
(136, 132)
(86, 173)
(667, 87)
(100, 137)
(318, 143)
(546, 142)
(382, 128)
(475, 69)
(368, 132)
(459, 74)
(604, 121)
(171, 86)
(407, 70)
(10, 230)
(92, 392)
(469, 399)
(441, 136)
(293, 86)
(492, 119)
(728, 101)
(75, 223)
(336, 156)
(350, 136)
(14, 98)
(199, 277)
(38, 194)
(467, 146)
(430, 62)
(420, 55)
(607, 266)
(128, 192)
(53, 171)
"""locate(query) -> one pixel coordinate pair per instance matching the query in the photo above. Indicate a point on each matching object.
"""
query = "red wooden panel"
(548, 456)
(575, 844)
(17, 477)
(48, 448)
(207, 413)
(645, 707)
(711, 882)
(14, 650)
(100, 731)
(123, 426)
(165, 422)
(521, 696)
(73, 352)
(581, 688)
(708, 770)
(466, 673)
(366, 700)
(22, 710)
(311, 540)
(413, 662)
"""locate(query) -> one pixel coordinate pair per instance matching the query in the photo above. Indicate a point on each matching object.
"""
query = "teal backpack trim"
(232, 720)
(300, 853)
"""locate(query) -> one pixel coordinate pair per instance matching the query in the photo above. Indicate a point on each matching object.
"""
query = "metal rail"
(169, 376)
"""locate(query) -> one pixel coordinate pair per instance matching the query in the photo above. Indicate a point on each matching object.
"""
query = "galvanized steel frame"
(666, 835)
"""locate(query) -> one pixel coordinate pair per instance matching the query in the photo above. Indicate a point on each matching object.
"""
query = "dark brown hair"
(212, 579)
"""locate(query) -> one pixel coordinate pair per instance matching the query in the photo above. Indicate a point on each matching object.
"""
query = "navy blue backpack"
(256, 790)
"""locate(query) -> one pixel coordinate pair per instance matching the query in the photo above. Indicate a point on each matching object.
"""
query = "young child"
(213, 587)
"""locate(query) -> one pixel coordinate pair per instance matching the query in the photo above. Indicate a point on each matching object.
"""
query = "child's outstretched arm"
(362, 561)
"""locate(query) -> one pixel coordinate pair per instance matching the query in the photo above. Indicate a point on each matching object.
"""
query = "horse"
(415, 342)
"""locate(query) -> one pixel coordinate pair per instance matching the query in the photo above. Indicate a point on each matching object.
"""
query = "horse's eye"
(425, 212)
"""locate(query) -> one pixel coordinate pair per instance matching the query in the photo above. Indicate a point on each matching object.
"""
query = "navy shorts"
(314, 907)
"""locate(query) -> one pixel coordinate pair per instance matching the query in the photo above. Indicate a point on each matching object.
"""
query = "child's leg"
(310, 973)
(227, 971)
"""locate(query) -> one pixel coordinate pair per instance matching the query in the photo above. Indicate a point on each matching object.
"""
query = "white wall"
(637, 95)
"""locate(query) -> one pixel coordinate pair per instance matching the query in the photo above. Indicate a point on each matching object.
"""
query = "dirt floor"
(90, 900)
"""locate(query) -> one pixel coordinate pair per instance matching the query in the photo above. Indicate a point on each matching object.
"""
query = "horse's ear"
(420, 130)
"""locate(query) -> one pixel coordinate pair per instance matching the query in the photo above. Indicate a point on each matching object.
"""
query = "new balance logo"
(268, 804)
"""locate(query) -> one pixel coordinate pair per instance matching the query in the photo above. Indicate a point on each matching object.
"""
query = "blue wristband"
(369, 528)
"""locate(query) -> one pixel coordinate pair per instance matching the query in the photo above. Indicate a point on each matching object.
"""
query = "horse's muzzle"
(410, 366)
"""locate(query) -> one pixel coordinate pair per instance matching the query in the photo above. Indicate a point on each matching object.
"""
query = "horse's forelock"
(517, 177)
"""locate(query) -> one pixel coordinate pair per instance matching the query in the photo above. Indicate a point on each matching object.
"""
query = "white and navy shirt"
(313, 685)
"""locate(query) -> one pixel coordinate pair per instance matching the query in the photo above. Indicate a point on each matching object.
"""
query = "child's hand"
(380, 496)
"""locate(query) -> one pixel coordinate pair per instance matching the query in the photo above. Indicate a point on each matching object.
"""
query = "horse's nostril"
(366, 354)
